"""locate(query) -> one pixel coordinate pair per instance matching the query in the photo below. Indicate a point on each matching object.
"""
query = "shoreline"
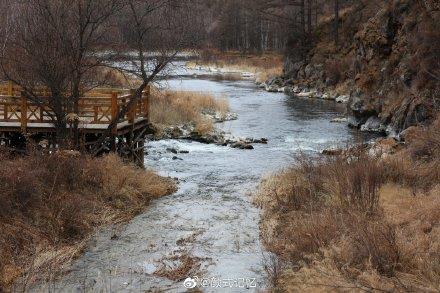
(106, 199)
(278, 84)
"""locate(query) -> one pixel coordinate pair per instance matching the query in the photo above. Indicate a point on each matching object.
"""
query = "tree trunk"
(303, 17)
(337, 23)
(309, 16)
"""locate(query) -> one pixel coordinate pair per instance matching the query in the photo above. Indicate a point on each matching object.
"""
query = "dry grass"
(111, 77)
(264, 66)
(356, 223)
(51, 203)
(187, 266)
(180, 107)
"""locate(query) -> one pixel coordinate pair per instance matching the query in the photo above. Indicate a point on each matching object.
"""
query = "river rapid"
(210, 219)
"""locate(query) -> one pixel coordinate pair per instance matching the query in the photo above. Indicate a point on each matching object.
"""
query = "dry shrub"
(417, 222)
(50, 202)
(111, 77)
(426, 59)
(355, 181)
(204, 125)
(177, 108)
(334, 224)
(425, 144)
(264, 66)
(369, 244)
(265, 74)
(417, 167)
(187, 266)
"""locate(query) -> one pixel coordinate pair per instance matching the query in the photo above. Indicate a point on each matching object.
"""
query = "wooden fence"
(97, 108)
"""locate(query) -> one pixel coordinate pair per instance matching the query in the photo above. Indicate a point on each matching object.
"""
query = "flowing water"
(211, 217)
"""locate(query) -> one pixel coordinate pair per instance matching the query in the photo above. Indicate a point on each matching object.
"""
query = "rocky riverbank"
(216, 136)
(188, 131)
(385, 66)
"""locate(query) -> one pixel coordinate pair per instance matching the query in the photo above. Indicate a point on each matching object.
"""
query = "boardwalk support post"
(24, 114)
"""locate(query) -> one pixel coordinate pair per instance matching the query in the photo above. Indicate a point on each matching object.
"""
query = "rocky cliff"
(387, 64)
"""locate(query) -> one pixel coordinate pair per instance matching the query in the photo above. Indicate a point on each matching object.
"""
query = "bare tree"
(158, 31)
(337, 22)
(57, 45)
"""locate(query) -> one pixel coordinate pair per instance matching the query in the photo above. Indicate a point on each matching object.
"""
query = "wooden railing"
(97, 107)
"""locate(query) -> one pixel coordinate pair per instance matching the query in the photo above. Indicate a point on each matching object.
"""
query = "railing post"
(23, 113)
(114, 113)
(96, 114)
(41, 113)
(115, 110)
(10, 88)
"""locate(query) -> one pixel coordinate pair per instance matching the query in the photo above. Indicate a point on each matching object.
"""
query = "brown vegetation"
(187, 266)
(172, 108)
(51, 203)
(357, 222)
(264, 66)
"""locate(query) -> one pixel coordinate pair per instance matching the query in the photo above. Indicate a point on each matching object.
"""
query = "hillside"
(387, 61)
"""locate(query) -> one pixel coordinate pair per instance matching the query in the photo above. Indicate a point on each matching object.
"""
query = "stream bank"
(209, 228)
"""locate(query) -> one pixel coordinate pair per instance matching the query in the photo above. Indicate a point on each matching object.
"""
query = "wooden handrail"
(101, 107)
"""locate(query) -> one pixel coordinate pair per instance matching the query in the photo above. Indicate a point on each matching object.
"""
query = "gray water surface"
(211, 217)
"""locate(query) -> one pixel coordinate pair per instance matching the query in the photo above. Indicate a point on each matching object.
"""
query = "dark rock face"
(360, 109)
(377, 37)
(412, 111)
(378, 63)
(276, 81)
(292, 66)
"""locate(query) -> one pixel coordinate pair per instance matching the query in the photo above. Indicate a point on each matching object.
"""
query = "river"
(211, 217)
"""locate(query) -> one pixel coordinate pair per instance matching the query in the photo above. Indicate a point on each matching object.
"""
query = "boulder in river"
(262, 85)
(242, 145)
(373, 124)
(272, 88)
(339, 120)
(261, 140)
(354, 122)
(310, 94)
(343, 99)
(172, 150)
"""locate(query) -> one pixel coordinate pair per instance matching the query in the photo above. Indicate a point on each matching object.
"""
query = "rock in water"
(306, 94)
(373, 124)
(172, 150)
(242, 145)
(339, 120)
(342, 99)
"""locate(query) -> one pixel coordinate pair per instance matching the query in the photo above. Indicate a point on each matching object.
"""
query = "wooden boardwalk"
(96, 110)
(21, 118)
